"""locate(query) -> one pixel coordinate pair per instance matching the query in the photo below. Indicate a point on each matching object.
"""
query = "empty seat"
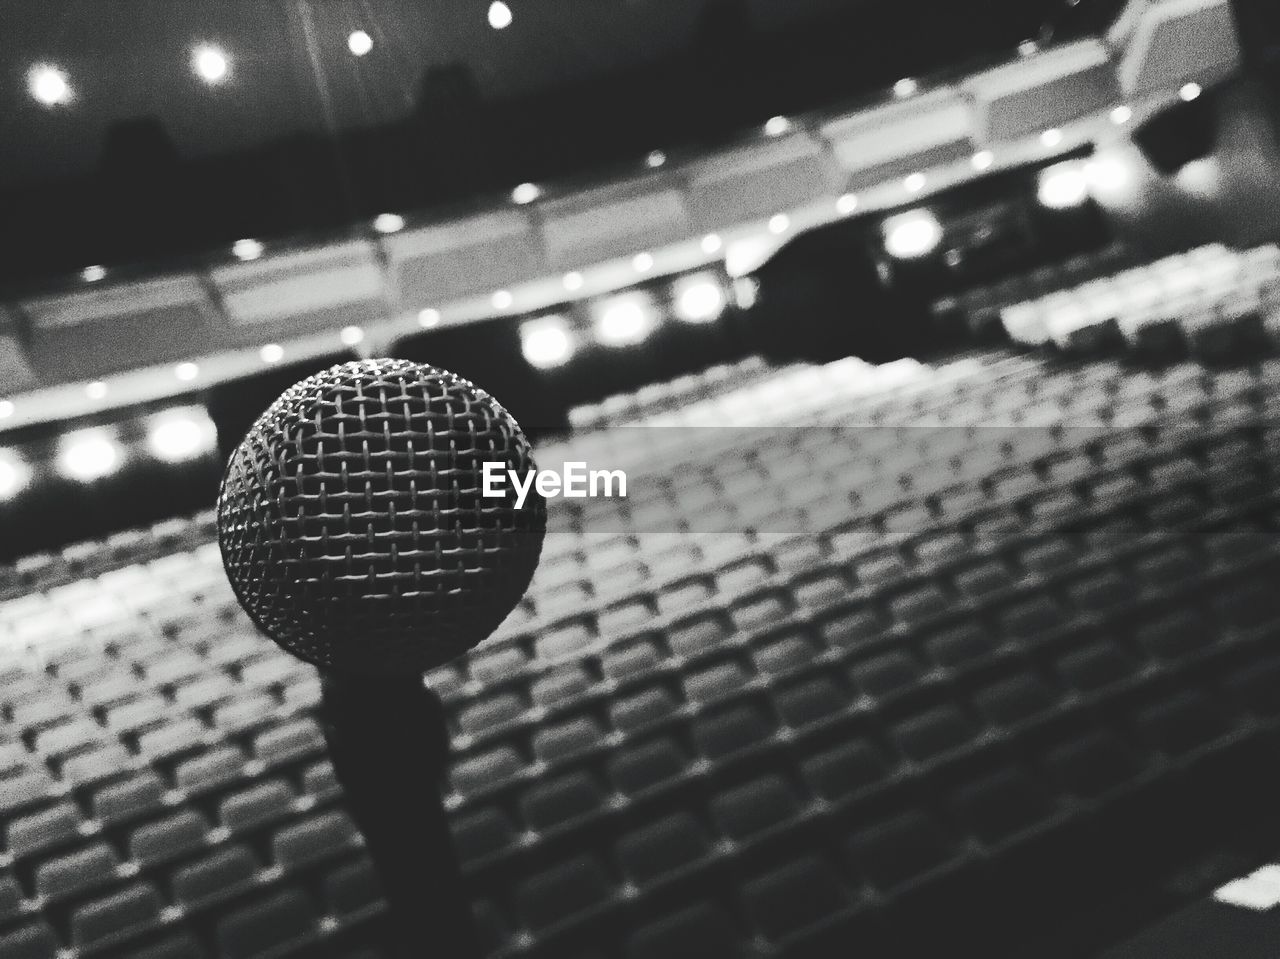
(482, 832)
(648, 705)
(284, 919)
(845, 769)
(128, 798)
(261, 803)
(123, 913)
(746, 809)
(934, 732)
(224, 872)
(76, 872)
(317, 837)
(560, 892)
(649, 852)
(561, 799)
(178, 946)
(898, 850)
(168, 838)
(811, 701)
(54, 826)
(288, 742)
(567, 737)
(795, 896)
(729, 730)
(698, 932)
(473, 773)
(352, 889)
(1002, 804)
(218, 766)
(11, 898)
(33, 940)
(647, 764)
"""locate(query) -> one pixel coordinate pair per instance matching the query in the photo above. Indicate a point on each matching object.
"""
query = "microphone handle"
(390, 749)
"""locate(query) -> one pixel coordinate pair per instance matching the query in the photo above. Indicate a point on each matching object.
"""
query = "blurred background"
(944, 618)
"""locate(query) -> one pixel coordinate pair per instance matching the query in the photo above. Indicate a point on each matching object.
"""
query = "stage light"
(179, 435)
(388, 223)
(499, 15)
(572, 281)
(526, 193)
(846, 204)
(271, 353)
(698, 298)
(915, 183)
(1191, 91)
(1062, 186)
(246, 250)
(1051, 138)
(982, 160)
(912, 235)
(92, 274)
(351, 336)
(502, 300)
(7, 409)
(1121, 115)
(15, 475)
(624, 320)
(96, 390)
(359, 43)
(428, 318)
(89, 455)
(779, 223)
(186, 372)
(642, 262)
(777, 126)
(546, 342)
(655, 159)
(906, 87)
(711, 244)
(210, 64)
(48, 85)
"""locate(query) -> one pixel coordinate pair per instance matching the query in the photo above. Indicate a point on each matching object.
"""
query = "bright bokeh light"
(699, 298)
(15, 475)
(526, 193)
(359, 43)
(1121, 115)
(1191, 91)
(915, 183)
(779, 223)
(186, 372)
(625, 320)
(983, 160)
(1028, 48)
(846, 204)
(711, 243)
(1108, 174)
(177, 436)
(906, 87)
(271, 353)
(642, 262)
(777, 126)
(247, 249)
(92, 274)
(96, 390)
(572, 281)
(7, 409)
(210, 63)
(351, 336)
(502, 300)
(546, 342)
(48, 85)
(1062, 186)
(388, 223)
(1051, 137)
(428, 318)
(89, 455)
(499, 15)
(655, 159)
(912, 235)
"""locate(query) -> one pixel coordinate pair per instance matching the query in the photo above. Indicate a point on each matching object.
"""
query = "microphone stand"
(390, 749)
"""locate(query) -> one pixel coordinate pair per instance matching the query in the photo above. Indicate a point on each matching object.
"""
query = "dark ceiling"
(145, 159)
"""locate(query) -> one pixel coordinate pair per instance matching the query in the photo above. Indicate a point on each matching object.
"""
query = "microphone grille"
(352, 525)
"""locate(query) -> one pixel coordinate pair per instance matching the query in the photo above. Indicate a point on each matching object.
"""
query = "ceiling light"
(912, 235)
(572, 281)
(655, 159)
(1062, 186)
(1051, 138)
(92, 274)
(186, 372)
(271, 353)
(625, 320)
(779, 223)
(351, 335)
(89, 455)
(96, 390)
(711, 243)
(642, 262)
(177, 436)
(210, 64)
(906, 87)
(983, 160)
(915, 183)
(388, 223)
(502, 300)
(526, 193)
(246, 250)
(48, 85)
(1121, 115)
(7, 409)
(777, 126)
(15, 475)
(1190, 91)
(359, 43)
(846, 204)
(428, 318)
(699, 298)
(546, 342)
(499, 15)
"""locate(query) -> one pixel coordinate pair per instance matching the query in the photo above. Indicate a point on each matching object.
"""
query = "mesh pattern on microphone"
(352, 525)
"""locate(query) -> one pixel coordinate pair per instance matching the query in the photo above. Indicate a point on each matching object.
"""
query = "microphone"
(354, 534)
